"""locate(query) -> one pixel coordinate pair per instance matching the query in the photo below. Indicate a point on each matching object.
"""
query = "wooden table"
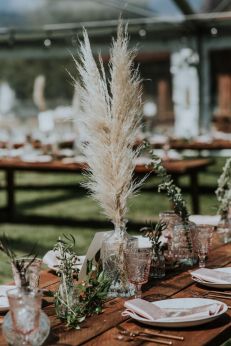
(101, 330)
(177, 168)
(180, 144)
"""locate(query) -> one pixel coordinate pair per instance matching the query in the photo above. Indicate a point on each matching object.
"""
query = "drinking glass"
(25, 308)
(32, 269)
(137, 263)
(202, 240)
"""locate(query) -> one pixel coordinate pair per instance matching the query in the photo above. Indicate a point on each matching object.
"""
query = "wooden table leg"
(10, 192)
(194, 192)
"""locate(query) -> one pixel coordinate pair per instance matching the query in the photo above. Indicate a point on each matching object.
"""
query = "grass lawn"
(73, 203)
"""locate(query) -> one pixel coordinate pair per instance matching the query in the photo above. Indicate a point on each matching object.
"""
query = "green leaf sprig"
(81, 299)
(20, 266)
(153, 233)
(67, 258)
(223, 191)
(173, 193)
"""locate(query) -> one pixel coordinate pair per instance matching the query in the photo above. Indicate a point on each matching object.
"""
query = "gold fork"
(147, 332)
(143, 338)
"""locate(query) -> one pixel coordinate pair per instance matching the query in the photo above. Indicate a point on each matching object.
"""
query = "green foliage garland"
(76, 301)
(223, 191)
(173, 192)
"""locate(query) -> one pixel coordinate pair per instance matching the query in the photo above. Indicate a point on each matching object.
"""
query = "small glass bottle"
(182, 244)
(65, 297)
(157, 269)
(113, 259)
(171, 219)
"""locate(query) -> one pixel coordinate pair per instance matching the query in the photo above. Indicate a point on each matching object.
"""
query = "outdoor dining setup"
(168, 284)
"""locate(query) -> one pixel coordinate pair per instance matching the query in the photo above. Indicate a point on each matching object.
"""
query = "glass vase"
(157, 269)
(171, 219)
(182, 244)
(224, 230)
(113, 259)
(225, 217)
(65, 297)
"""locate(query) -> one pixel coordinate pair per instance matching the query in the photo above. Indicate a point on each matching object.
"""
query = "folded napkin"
(144, 310)
(212, 220)
(212, 275)
(51, 259)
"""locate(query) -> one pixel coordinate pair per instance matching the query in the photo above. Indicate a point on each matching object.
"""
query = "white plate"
(214, 285)
(182, 303)
(4, 305)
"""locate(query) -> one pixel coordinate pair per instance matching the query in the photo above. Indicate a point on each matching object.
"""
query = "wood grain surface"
(101, 330)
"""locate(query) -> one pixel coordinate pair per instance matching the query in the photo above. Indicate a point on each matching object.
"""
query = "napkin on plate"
(151, 312)
(212, 275)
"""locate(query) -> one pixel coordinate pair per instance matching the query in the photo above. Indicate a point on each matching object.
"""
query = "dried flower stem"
(110, 122)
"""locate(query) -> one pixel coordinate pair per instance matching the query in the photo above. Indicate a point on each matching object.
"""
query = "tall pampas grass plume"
(110, 119)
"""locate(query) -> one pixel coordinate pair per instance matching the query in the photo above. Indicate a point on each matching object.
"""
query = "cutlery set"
(162, 338)
(214, 294)
(146, 335)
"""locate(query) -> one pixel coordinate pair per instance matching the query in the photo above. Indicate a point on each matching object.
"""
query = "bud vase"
(171, 219)
(65, 298)
(113, 259)
(182, 245)
(157, 269)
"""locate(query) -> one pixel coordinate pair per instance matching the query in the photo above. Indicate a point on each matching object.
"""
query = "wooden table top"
(101, 330)
(179, 144)
(172, 166)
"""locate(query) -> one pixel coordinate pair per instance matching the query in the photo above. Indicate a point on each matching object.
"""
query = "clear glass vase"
(224, 230)
(157, 269)
(112, 255)
(171, 219)
(182, 244)
(65, 297)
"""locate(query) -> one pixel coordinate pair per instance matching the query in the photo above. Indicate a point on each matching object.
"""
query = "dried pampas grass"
(110, 120)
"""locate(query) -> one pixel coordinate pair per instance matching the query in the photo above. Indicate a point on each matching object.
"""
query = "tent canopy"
(23, 20)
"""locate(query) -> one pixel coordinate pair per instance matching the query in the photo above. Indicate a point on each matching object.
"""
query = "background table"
(180, 144)
(177, 168)
(100, 330)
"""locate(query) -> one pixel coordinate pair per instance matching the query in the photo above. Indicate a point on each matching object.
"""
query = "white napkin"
(211, 275)
(144, 310)
(51, 260)
(212, 220)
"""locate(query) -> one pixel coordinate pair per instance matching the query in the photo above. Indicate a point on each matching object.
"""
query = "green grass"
(75, 204)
